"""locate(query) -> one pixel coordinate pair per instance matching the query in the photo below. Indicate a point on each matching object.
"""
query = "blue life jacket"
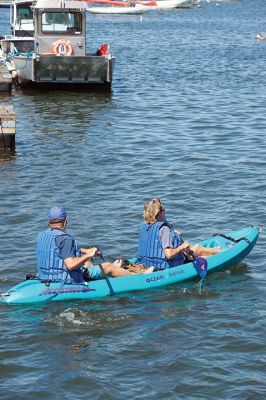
(150, 251)
(50, 267)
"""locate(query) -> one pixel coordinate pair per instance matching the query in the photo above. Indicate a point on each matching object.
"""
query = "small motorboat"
(235, 246)
(169, 4)
(137, 9)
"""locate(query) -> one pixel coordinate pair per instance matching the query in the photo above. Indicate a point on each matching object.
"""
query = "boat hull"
(74, 70)
(169, 4)
(34, 291)
(141, 6)
(137, 10)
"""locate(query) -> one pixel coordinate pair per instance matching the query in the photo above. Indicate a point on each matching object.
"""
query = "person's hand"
(185, 245)
(93, 251)
(189, 253)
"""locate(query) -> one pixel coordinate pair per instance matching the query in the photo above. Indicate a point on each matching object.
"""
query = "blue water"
(185, 121)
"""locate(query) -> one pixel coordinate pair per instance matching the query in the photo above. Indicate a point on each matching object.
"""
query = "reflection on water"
(7, 156)
(61, 112)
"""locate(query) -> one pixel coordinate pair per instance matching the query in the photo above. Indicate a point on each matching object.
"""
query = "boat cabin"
(69, 24)
(36, 26)
(21, 18)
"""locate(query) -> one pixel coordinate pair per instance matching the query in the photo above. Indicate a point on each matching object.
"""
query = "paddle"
(100, 254)
(200, 263)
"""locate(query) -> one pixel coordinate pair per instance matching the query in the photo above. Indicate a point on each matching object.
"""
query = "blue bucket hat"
(57, 213)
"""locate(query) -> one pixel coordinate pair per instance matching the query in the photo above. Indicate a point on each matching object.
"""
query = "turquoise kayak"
(236, 245)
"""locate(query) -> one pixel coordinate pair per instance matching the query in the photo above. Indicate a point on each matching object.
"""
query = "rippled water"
(185, 121)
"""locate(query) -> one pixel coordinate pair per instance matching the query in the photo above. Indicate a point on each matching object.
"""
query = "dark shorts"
(92, 273)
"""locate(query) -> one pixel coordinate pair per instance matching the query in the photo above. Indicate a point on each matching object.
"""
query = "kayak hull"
(235, 249)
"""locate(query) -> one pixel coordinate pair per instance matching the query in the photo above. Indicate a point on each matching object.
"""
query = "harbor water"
(185, 121)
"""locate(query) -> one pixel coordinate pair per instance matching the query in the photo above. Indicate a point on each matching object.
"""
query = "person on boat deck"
(59, 259)
(160, 245)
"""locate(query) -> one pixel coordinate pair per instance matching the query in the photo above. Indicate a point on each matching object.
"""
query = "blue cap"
(57, 213)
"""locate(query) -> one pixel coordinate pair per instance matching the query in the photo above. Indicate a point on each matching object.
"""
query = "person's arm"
(75, 262)
(167, 243)
(67, 251)
(171, 252)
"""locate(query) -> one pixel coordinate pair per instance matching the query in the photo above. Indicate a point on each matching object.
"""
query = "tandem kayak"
(235, 245)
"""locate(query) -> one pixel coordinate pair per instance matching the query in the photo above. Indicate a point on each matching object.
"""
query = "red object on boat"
(103, 50)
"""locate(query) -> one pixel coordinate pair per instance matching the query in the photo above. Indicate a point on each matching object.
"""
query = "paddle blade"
(201, 266)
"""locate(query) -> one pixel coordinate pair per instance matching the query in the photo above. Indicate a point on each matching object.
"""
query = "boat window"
(24, 12)
(69, 23)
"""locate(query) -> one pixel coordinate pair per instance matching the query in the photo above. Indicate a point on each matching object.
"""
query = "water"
(185, 122)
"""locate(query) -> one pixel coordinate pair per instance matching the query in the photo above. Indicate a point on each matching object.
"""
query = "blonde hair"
(152, 209)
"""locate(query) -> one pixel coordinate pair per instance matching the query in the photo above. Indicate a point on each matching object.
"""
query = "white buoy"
(261, 36)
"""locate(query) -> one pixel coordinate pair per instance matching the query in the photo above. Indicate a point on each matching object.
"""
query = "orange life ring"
(62, 48)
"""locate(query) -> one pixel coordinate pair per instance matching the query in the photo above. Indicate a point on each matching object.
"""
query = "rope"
(11, 55)
(29, 54)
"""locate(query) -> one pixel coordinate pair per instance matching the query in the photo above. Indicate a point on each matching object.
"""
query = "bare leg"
(201, 251)
(116, 271)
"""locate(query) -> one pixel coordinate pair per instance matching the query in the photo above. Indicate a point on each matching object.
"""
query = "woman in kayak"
(160, 245)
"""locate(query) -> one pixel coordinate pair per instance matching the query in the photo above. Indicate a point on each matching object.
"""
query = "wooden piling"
(7, 127)
(5, 79)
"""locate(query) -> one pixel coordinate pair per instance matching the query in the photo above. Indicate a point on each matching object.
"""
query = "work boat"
(47, 46)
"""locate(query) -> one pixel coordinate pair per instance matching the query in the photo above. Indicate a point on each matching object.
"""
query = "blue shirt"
(66, 246)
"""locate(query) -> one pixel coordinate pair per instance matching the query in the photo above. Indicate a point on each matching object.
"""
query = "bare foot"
(149, 270)
(118, 263)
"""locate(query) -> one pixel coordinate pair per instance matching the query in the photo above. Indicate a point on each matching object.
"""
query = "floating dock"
(7, 127)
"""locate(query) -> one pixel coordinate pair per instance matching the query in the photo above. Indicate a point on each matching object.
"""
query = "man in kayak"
(160, 245)
(59, 259)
